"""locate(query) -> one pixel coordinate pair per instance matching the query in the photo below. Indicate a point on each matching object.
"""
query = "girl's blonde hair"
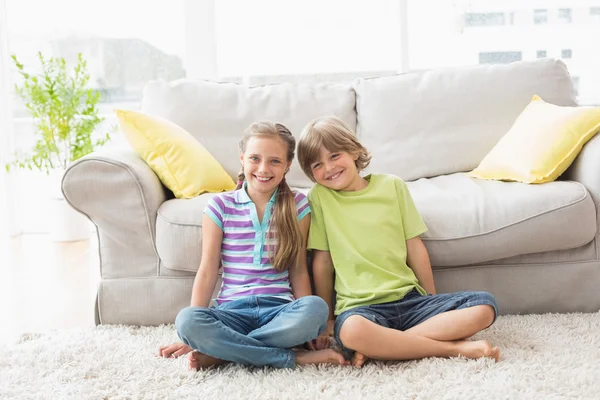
(285, 216)
(335, 135)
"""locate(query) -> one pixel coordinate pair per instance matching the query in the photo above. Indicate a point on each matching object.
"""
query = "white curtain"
(9, 220)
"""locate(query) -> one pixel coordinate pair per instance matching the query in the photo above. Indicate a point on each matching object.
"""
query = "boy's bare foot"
(328, 356)
(477, 349)
(200, 361)
(358, 359)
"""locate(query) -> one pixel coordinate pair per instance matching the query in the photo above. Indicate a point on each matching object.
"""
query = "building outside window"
(485, 19)
(500, 57)
(564, 15)
(540, 16)
(595, 14)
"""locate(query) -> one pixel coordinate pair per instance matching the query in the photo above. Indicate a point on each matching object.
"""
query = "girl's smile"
(265, 164)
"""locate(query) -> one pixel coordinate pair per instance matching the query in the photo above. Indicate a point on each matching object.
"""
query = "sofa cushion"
(179, 232)
(472, 221)
(542, 143)
(444, 121)
(217, 114)
(469, 220)
(180, 161)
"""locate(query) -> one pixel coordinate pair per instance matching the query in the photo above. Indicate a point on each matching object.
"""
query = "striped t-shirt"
(246, 250)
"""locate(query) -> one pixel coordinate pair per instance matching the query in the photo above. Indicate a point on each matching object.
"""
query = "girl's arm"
(323, 274)
(299, 279)
(206, 277)
(418, 260)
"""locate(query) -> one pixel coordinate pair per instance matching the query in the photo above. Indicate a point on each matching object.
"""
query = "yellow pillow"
(180, 161)
(541, 144)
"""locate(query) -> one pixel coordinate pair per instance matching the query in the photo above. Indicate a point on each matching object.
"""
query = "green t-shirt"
(366, 232)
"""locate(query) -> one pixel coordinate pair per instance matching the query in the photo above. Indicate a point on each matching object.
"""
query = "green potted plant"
(65, 113)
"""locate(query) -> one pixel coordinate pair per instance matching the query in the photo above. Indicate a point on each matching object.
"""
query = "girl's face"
(265, 163)
(337, 170)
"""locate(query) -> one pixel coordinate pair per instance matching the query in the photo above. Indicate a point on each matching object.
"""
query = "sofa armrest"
(586, 168)
(120, 194)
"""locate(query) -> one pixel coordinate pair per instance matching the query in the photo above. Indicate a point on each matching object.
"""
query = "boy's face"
(336, 170)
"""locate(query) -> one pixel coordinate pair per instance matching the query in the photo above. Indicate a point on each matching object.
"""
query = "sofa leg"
(96, 312)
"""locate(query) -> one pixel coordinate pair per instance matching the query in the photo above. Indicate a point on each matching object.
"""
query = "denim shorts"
(413, 309)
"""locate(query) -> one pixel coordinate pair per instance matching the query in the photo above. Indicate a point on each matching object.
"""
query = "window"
(540, 16)
(484, 19)
(269, 41)
(122, 53)
(499, 57)
(122, 56)
(575, 80)
(564, 15)
(438, 37)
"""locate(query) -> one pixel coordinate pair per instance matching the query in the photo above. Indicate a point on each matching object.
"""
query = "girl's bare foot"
(358, 359)
(477, 349)
(328, 356)
(199, 360)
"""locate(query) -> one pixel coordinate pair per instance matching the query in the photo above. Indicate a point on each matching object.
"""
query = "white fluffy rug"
(543, 357)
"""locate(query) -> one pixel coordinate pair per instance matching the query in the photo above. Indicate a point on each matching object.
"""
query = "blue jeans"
(413, 309)
(255, 330)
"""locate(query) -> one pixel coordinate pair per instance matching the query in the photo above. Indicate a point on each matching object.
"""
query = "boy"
(366, 230)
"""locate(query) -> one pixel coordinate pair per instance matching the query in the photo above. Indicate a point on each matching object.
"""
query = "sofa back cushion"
(443, 121)
(217, 114)
(473, 221)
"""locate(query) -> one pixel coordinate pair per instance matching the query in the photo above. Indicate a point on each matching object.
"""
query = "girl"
(258, 233)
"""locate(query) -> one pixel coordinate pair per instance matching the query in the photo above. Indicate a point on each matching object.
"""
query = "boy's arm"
(324, 277)
(299, 279)
(418, 260)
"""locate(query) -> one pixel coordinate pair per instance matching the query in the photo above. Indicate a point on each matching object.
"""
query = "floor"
(46, 285)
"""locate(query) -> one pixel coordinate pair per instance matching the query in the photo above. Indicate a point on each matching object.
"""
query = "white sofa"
(535, 247)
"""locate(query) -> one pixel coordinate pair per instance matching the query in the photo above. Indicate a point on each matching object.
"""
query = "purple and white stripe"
(245, 253)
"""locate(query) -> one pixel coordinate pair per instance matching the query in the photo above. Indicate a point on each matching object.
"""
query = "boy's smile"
(335, 176)
(337, 171)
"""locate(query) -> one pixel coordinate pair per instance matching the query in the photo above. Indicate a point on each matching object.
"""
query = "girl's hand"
(174, 350)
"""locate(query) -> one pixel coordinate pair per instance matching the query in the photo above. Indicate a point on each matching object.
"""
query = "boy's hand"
(322, 342)
(330, 325)
(174, 350)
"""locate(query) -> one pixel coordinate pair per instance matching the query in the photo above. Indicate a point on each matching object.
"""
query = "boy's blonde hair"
(335, 135)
